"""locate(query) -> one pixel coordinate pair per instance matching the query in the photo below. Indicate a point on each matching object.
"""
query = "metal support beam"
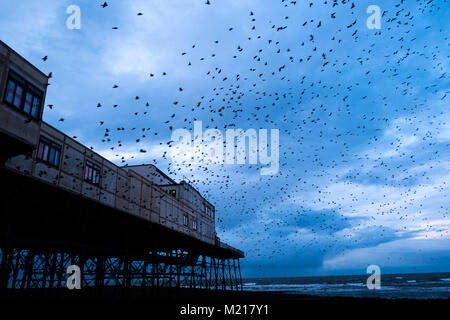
(23, 269)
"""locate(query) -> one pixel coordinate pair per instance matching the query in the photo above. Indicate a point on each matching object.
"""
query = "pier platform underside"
(44, 230)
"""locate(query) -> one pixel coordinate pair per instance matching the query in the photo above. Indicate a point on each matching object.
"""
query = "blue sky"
(364, 128)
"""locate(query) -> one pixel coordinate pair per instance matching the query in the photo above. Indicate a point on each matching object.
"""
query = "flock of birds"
(332, 92)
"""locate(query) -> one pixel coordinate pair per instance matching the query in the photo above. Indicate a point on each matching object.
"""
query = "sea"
(393, 286)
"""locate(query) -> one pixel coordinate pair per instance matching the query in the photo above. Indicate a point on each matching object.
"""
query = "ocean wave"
(356, 284)
(283, 285)
(401, 287)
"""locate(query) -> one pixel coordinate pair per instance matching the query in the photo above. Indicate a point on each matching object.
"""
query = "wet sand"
(171, 301)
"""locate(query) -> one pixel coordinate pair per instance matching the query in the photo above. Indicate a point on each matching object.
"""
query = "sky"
(362, 114)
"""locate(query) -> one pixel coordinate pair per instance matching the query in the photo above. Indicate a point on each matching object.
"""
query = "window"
(92, 173)
(203, 209)
(23, 95)
(194, 224)
(209, 211)
(48, 152)
(185, 220)
(173, 193)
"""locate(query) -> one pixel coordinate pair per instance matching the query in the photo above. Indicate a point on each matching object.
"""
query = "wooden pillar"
(240, 275)
(179, 255)
(61, 269)
(45, 270)
(7, 256)
(144, 273)
(216, 273)
(236, 283)
(229, 274)
(53, 262)
(223, 274)
(27, 272)
(15, 264)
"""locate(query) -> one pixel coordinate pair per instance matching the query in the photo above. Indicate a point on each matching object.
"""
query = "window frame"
(185, 220)
(203, 209)
(27, 88)
(94, 168)
(51, 145)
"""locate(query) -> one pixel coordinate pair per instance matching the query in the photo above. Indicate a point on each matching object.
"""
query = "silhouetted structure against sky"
(63, 204)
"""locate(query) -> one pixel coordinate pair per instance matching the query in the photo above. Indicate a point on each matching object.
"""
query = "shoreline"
(184, 294)
(172, 303)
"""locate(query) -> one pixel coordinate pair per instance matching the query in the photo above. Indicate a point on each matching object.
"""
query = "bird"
(351, 155)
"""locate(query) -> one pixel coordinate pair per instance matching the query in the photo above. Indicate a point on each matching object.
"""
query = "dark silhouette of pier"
(126, 228)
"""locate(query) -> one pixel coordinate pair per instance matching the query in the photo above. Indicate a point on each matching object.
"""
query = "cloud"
(403, 255)
(363, 140)
(39, 22)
